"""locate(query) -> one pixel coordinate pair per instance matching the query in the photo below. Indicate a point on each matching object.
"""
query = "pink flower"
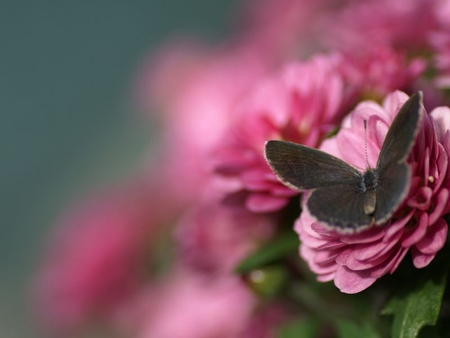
(300, 104)
(266, 321)
(440, 41)
(191, 306)
(369, 25)
(198, 106)
(93, 261)
(381, 71)
(214, 236)
(356, 261)
(282, 28)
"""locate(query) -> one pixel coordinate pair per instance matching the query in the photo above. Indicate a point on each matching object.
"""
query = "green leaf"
(417, 303)
(280, 247)
(299, 328)
(349, 329)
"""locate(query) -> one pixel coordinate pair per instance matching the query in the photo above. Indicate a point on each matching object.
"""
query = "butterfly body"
(341, 196)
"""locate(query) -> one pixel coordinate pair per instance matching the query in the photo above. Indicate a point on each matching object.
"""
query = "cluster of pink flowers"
(157, 259)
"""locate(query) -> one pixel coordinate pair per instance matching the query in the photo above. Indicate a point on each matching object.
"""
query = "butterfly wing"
(303, 168)
(340, 206)
(393, 186)
(394, 174)
(402, 133)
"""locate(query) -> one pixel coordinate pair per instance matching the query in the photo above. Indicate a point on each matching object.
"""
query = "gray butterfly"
(342, 197)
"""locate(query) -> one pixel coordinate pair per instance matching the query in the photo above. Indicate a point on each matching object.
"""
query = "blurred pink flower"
(440, 41)
(381, 71)
(191, 306)
(194, 89)
(356, 261)
(95, 259)
(198, 106)
(214, 236)
(267, 320)
(300, 104)
(283, 28)
(371, 24)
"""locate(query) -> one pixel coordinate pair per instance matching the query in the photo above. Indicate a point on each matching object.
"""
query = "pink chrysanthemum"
(94, 260)
(191, 306)
(367, 25)
(282, 27)
(301, 105)
(440, 41)
(214, 236)
(381, 71)
(198, 106)
(355, 261)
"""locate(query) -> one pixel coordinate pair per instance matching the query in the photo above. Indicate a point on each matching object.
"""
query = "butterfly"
(342, 197)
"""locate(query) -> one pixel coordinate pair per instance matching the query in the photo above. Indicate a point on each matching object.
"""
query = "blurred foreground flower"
(187, 305)
(214, 236)
(94, 260)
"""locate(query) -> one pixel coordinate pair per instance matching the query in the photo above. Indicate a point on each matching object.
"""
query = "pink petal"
(265, 203)
(440, 205)
(368, 236)
(422, 199)
(378, 262)
(399, 225)
(391, 261)
(326, 277)
(354, 150)
(351, 282)
(413, 235)
(320, 269)
(371, 251)
(441, 170)
(331, 245)
(441, 119)
(326, 256)
(313, 242)
(434, 239)
(421, 260)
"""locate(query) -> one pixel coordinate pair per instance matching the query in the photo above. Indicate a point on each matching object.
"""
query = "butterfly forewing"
(394, 174)
(304, 168)
(402, 133)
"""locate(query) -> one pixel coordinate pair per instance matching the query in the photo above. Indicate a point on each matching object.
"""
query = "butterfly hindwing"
(340, 207)
(393, 186)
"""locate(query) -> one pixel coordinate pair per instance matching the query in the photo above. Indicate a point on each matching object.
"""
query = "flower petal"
(265, 203)
(413, 235)
(351, 282)
(435, 238)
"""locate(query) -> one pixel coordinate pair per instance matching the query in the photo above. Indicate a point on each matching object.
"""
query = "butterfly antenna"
(365, 143)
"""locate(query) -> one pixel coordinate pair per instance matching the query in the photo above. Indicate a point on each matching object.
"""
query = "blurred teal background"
(66, 70)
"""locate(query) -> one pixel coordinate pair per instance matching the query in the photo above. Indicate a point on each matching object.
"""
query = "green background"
(66, 69)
